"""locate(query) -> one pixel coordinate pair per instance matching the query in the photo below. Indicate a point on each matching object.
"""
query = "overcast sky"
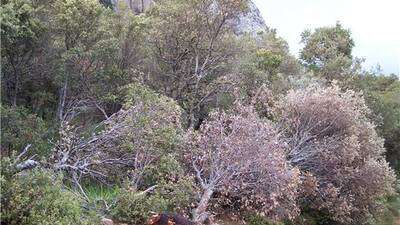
(375, 25)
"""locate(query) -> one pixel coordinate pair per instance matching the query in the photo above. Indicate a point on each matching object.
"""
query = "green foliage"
(137, 93)
(135, 208)
(382, 94)
(136, 76)
(101, 198)
(255, 219)
(20, 30)
(325, 44)
(328, 51)
(173, 192)
(161, 116)
(38, 197)
(20, 128)
(173, 183)
(21, 33)
(268, 61)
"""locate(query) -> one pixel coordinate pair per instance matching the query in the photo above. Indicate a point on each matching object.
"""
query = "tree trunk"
(16, 86)
(200, 213)
(61, 102)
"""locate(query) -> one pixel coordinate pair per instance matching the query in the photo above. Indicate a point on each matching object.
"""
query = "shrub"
(20, 128)
(134, 207)
(242, 156)
(333, 142)
(255, 219)
(173, 192)
(147, 127)
(38, 197)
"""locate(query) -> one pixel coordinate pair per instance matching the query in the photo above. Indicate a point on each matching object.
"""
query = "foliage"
(135, 208)
(100, 198)
(21, 33)
(263, 69)
(173, 192)
(268, 61)
(38, 197)
(191, 46)
(328, 52)
(241, 155)
(20, 128)
(255, 219)
(265, 136)
(333, 142)
(382, 94)
(123, 145)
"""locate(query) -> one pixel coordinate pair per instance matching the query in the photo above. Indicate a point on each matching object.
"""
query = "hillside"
(179, 112)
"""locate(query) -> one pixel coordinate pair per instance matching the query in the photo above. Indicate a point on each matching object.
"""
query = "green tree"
(77, 28)
(191, 48)
(382, 94)
(20, 36)
(328, 52)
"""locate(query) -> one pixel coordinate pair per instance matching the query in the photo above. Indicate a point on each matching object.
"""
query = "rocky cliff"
(252, 22)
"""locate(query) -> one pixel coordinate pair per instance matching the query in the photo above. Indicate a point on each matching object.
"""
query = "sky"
(375, 25)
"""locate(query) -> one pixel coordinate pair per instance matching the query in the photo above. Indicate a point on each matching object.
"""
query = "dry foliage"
(333, 142)
(243, 157)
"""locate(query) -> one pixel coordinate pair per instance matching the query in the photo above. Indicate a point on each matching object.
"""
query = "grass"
(101, 198)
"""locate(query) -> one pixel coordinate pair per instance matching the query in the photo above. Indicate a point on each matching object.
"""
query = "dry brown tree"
(242, 155)
(337, 149)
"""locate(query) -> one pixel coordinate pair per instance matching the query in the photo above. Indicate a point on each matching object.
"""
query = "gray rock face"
(137, 6)
(251, 23)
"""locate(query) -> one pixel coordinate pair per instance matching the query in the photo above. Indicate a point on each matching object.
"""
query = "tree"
(263, 68)
(243, 156)
(328, 52)
(121, 146)
(190, 48)
(382, 94)
(335, 145)
(20, 35)
(77, 30)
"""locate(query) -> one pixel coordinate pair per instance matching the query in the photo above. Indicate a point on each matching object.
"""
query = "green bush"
(20, 128)
(133, 207)
(172, 183)
(173, 193)
(38, 197)
(390, 212)
(254, 219)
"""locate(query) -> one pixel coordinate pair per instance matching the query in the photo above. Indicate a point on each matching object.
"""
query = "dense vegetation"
(110, 114)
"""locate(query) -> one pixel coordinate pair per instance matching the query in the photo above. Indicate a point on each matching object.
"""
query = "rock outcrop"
(252, 22)
(137, 6)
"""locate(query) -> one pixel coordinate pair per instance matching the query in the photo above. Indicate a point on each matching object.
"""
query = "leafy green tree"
(382, 95)
(20, 36)
(78, 30)
(191, 48)
(328, 52)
